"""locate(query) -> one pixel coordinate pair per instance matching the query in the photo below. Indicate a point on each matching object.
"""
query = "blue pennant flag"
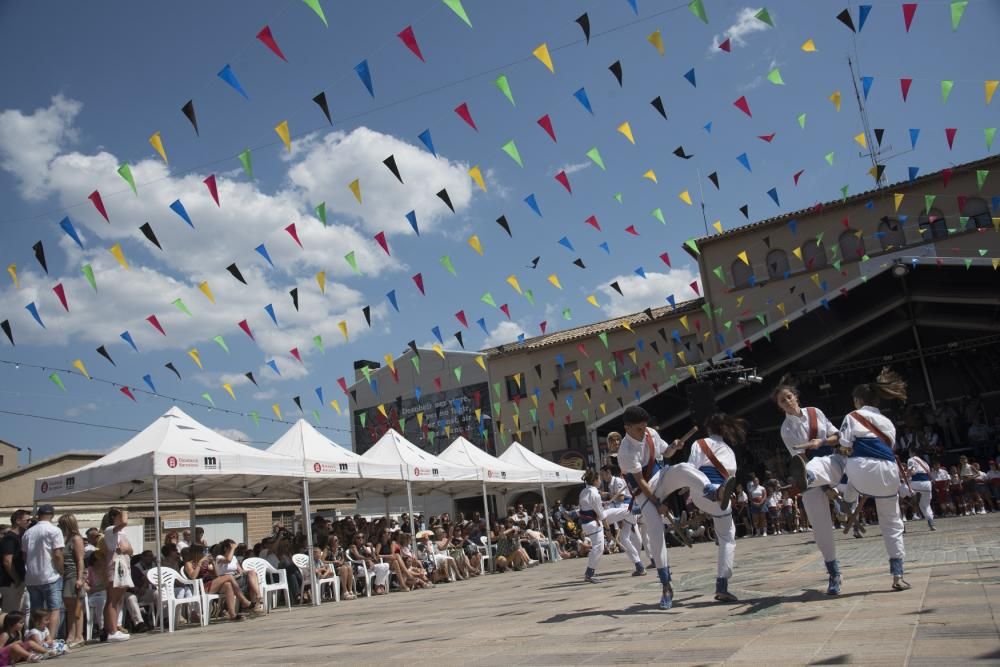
(866, 84)
(319, 395)
(178, 208)
(365, 75)
(482, 323)
(270, 311)
(863, 11)
(437, 334)
(564, 241)
(604, 246)
(533, 204)
(227, 75)
(67, 227)
(127, 337)
(412, 217)
(745, 161)
(274, 366)
(914, 135)
(391, 295)
(581, 95)
(425, 137)
(263, 253)
(640, 272)
(31, 308)
(689, 75)
(149, 381)
(773, 194)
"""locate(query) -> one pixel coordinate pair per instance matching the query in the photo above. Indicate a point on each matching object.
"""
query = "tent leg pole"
(192, 520)
(489, 542)
(309, 540)
(409, 503)
(159, 541)
(595, 445)
(548, 526)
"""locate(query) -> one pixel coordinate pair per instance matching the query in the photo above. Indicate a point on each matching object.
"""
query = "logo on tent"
(45, 487)
(489, 473)
(342, 467)
(171, 461)
(318, 467)
(211, 463)
(70, 483)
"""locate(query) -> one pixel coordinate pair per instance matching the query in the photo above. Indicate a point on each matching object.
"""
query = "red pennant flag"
(506, 310)
(904, 85)
(694, 286)
(461, 318)
(395, 374)
(583, 349)
(961, 204)
(552, 408)
(95, 198)
(246, 329)
(946, 173)
(127, 392)
(437, 383)
(212, 189)
(726, 46)
(593, 375)
(592, 221)
(463, 111)
(564, 179)
(656, 388)
(631, 230)
(419, 280)
(406, 34)
(156, 324)
(743, 105)
(546, 124)
(949, 132)
(666, 259)
(343, 384)
(267, 38)
(909, 9)
(767, 137)
(295, 353)
(543, 326)
(795, 177)
(293, 233)
(380, 237)
(61, 293)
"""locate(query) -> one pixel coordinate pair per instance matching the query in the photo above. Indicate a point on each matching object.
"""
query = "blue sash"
(714, 476)
(825, 450)
(588, 515)
(920, 477)
(872, 448)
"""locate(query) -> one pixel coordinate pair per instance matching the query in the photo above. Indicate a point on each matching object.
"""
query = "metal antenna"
(701, 195)
(874, 149)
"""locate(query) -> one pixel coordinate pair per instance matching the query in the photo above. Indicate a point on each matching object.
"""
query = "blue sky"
(93, 81)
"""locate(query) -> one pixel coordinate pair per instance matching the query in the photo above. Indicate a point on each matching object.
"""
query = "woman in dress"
(74, 579)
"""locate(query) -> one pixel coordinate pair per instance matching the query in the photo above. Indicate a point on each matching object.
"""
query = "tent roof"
(493, 470)
(423, 468)
(552, 473)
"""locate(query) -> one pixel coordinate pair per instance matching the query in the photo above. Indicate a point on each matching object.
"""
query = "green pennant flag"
(983, 251)
(764, 16)
(694, 246)
(446, 263)
(843, 193)
(707, 308)
(367, 372)
(865, 257)
(316, 416)
(456, 6)
(504, 87)
(488, 299)
(618, 197)
(126, 172)
(530, 296)
(496, 408)
(517, 409)
(981, 175)
(181, 307)
(774, 76)
(957, 9)
(718, 273)
(458, 373)
(819, 238)
(431, 435)
(991, 133)
(58, 381)
(352, 261)
(946, 87)
(402, 424)
(88, 272)
(963, 222)
(586, 414)
(496, 390)
(318, 343)
(316, 7)
(697, 8)
(510, 148)
(718, 311)
(928, 202)
(662, 363)
(614, 367)
(595, 155)
(760, 318)
(567, 314)
(208, 399)
(247, 163)
(836, 264)
(599, 365)
(968, 264)
(604, 338)
(416, 363)
(534, 414)
(221, 343)
(321, 212)
(728, 324)
(767, 335)
(802, 121)
(658, 214)
(363, 418)
(829, 158)
(256, 418)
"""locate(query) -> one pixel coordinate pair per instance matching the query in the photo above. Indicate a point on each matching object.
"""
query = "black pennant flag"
(649, 313)
(579, 262)
(413, 346)
(714, 177)
(188, 110)
(367, 310)
(294, 293)
(534, 262)
(587, 392)
(321, 101)
(616, 287)
(663, 334)
(354, 395)
(658, 105)
(249, 376)
(620, 402)
(458, 337)
(745, 210)
(104, 353)
(679, 152)
(298, 402)
(235, 270)
(616, 69)
(845, 18)
(879, 170)
(538, 371)
(147, 231)
(170, 366)
(502, 221)
(5, 325)
(656, 346)
(767, 241)
(879, 133)
(584, 21)
(446, 199)
(40, 255)
(390, 162)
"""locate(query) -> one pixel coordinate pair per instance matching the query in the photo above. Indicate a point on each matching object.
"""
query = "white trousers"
(826, 470)
(817, 507)
(381, 571)
(725, 530)
(880, 479)
(924, 489)
(595, 531)
(663, 483)
(628, 534)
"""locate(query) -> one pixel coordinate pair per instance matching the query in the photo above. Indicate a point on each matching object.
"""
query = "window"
(814, 255)
(564, 376)
(515, 386)
(852, 246)
(689, 347)
(890, 234)
(933, 225)
(576, 437)
(285, 517)
(149, 530)
(742, 273)
(777, 264)
(978, 213)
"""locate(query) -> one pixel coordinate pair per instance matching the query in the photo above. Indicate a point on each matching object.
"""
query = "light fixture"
(900, 270)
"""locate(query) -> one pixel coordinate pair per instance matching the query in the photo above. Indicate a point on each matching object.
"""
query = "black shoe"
(799, 473)
(726, 492)
(104, 636)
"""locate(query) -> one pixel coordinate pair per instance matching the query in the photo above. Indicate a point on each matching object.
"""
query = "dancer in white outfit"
(872, 468)
(637, 457)
(592, 523)
(919, 474)
(807, 432)
(614, 491)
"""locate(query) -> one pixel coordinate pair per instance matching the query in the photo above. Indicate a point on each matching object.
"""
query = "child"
(39, 633)
(15, 648)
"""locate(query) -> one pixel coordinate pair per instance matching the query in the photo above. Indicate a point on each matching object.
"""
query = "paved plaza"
(548, 616)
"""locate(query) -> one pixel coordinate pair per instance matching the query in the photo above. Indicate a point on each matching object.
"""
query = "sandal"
(350, 596)
(237, 617)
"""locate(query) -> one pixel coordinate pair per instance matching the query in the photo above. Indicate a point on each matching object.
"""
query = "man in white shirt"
(43, 546)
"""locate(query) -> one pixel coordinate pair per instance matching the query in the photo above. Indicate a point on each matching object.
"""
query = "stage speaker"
(701, 402)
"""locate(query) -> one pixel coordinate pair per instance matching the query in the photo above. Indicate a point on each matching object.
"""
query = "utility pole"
(874, 149)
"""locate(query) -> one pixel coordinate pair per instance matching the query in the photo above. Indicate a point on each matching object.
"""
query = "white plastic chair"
(367, 576)
(263, 568)
(445, 560)
(484, 552)
(164, 578)
(302, 562)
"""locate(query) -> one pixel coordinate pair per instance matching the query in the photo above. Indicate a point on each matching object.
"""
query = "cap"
(46, 510)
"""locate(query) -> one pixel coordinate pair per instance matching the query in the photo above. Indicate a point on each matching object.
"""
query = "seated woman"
(336, 561)
(418, 576)
(456, 549)
(388, 553)
(227, 563)
(200, 566)
(359, 553)
(14, 647)
(509, 551)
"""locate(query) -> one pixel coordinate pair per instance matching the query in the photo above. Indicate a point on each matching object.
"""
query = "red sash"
(710, 455)
(813, 425)
(861, 419)
(647, 470)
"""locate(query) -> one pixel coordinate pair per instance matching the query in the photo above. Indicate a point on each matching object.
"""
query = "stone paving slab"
(548, 616)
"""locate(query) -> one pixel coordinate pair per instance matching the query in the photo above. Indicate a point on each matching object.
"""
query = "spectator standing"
(43, 546)
(118, 570)
(90, 543)
(74, 580)
(12, 562)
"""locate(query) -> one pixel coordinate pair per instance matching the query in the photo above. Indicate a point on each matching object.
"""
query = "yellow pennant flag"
(991, 87)
(897, 199)
(542, 53)
(651, 175)
(512, 281)
(277, 410)
(798, 253)
(685, 197)
(381, 409)
(321, 281)
(604, 408)
(717, 226)
(193, 353)
(627, 326)
(517, 380)
(693, 372)
(116, 250)
(420, 419)
(579, 376)
(592, 300)
(534, 399)
(682, 357)
(479, 414)
(517, 422)
(12, 270)
(739, 301)
(336, 406)
(343, 329)
(477, 176)
(684, 323)
(860, 138)
(355, 187)
(437, 348)
(835, 98)
(656, 39)
(282, 130)
(78, 365)
(743, 256)
(809, 46)
(607, 385)
(480, 362)
(786, 324)
(476, 245)
(815, 278)
(389, 362)
(157, 142)
(555, 280)
(207, 291)
(781, 309)
(229, 390)
(626, 130)
(634, 357)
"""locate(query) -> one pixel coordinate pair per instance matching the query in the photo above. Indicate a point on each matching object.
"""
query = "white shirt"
(756, 491)
(223, 566)
(110, 539)
(852, 428)
(795, 430)
(616, 487)
(941, 475)
(915, 465)
(38, 543)
(633, 455)
(590, 500)
(774, 500)
(719, 448)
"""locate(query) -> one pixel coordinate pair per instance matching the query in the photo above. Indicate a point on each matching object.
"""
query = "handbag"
(121, 574)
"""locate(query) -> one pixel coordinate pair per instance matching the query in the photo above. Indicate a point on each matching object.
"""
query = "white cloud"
(650, 292)
(78, 410)
(506, 331)
(233, 434)
(574, 167)
(746, 23)
(28, 143)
